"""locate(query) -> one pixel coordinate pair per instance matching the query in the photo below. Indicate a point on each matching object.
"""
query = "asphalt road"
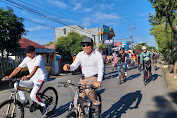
(129, 100)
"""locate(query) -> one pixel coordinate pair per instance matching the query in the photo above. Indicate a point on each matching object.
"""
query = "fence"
(5, 65)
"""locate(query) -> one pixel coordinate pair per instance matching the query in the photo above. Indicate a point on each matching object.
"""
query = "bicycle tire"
(19, 106)
(71, 114)
(46, 100)
(100, 100)
(98, 97)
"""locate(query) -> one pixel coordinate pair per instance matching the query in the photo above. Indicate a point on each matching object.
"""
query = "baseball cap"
(144, 47)
(87, 40)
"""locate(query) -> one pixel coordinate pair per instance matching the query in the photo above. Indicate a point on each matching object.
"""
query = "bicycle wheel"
(50, 97)
(112, 66)
(10, 110)
(99, 99)
(71, 114)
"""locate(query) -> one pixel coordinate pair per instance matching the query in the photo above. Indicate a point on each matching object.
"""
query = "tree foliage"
(164, 26)
(49, 43)
(11, 30)
(68, 45)
(102, 46)
(139, 47)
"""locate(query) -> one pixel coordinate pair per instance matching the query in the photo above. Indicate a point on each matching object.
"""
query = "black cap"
(30, 49)
(87, 40)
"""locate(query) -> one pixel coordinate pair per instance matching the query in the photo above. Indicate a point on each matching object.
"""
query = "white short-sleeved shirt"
(41, 72)
(91, 64)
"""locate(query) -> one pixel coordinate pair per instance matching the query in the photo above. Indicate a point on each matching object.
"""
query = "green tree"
(49, 43)
(165, 12)
(68, 45)
(162, 34)
(139, 46)
(102, 46)
(11, 30)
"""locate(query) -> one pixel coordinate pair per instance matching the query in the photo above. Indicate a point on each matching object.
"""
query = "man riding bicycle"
(37, 77)
(122, 56)
(92, 69)
(145, 58)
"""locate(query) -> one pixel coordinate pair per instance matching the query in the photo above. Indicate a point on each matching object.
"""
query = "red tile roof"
(52, 46)
(24, 42)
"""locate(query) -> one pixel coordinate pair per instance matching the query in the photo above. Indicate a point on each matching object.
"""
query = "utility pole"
(54, 34)
(131, 28)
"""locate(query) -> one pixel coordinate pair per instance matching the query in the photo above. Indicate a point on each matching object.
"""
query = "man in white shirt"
(37, 77)
(92, 65)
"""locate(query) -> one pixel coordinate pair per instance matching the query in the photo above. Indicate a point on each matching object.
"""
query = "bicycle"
(139, 65)
(146, 73)
(114, 65)
(122, 76)
(84, 106)
(13, 108)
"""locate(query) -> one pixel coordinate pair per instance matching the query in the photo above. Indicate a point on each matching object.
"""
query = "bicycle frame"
(77, 100)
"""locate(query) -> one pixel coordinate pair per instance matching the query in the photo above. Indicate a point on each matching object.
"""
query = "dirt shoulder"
(171, 81)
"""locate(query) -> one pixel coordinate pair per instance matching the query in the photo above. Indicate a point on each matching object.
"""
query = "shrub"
(25, 72)
(49, 70)
(22, 73)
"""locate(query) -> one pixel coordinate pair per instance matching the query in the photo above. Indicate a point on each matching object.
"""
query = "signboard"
(106, 28)
(109, 42)
(126, 47)
(123, 42)
(117, 43)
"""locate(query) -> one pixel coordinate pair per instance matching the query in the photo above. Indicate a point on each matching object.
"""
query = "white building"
(92, 33)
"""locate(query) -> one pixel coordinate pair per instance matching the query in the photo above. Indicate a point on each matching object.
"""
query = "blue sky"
(118, 14)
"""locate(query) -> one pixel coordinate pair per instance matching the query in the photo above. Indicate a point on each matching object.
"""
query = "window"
(64, 30)
(93, 37)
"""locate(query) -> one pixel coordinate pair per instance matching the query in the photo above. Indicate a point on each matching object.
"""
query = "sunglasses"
(86, 44)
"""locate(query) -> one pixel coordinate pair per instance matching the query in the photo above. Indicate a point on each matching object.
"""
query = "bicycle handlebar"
(80, 86)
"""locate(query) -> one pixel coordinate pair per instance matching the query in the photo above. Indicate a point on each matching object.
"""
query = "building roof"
(24, 42)
(52, 46)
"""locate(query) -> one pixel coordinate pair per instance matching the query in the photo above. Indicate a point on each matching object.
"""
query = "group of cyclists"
(92, 64)
(126, 58)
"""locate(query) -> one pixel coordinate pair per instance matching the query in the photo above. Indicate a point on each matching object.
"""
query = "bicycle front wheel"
(71, 114)
(8, 109)
(50, 98)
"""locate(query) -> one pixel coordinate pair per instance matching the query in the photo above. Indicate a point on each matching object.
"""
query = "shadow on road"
(133, 76)
(123, 105)
(51, 79)
(115, 71)
(153, 77)
(59, 111)
(165, 110)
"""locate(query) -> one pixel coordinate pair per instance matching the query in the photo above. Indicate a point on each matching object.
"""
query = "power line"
(23, 7)
(45, 11)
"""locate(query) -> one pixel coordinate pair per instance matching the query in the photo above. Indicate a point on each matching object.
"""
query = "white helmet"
(144, 47)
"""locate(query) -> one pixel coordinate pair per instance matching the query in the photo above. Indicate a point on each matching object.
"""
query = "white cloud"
(143, 14)
(102, 17)
(37, 28)
(37, 20)
(105, 6)
(77, 6)
(86, 22)
(58, 3)
(107, 19)
(87, 9)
